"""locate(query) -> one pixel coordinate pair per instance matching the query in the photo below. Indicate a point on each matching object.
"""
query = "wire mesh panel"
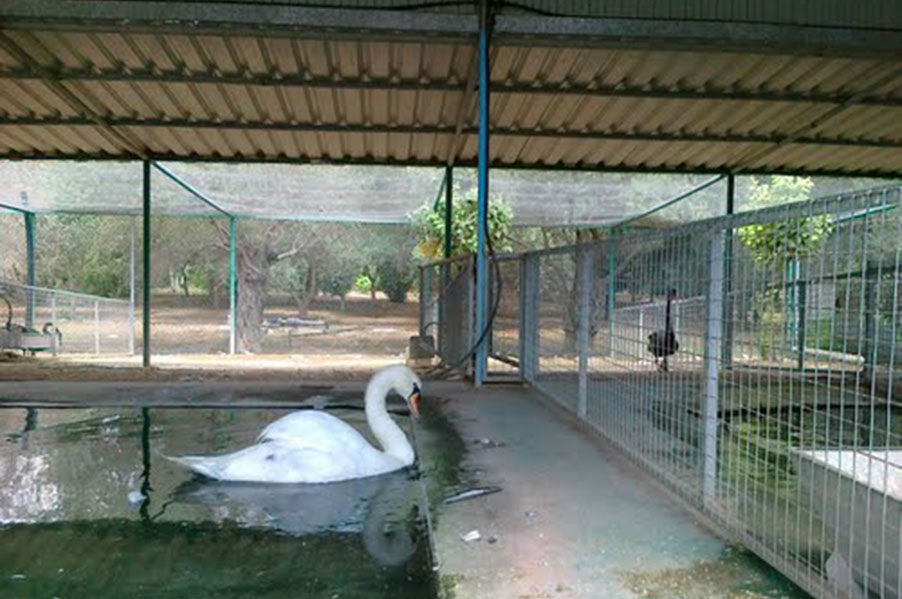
(189, 282)
(504, 342)
(456, 309)
(647, 351)
(749, 362)
(66, 322)
(810, 459)
(557, 323)
(13, 260)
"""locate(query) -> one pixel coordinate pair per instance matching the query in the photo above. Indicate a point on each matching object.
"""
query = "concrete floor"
(572, 520)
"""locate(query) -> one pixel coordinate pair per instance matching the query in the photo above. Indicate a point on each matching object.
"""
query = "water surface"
(91, 508)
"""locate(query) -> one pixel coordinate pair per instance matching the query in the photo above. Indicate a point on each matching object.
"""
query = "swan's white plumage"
(315, 447)
(313, 429)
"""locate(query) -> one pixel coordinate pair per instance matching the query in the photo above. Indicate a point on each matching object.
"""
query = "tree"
(388, 251)
(782, 240)
(777, 247)
(429, 222)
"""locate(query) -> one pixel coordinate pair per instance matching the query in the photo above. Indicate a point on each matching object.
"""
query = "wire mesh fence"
(56, 321)
(313, 288)
(504, 340)
(452, 294)
(749, 362)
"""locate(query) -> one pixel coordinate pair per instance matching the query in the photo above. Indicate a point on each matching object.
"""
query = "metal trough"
(858, 495)
(28, 341)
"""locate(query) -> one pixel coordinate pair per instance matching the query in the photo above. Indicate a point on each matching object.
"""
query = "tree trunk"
(304, 297)
(250, 311)
(183, 280)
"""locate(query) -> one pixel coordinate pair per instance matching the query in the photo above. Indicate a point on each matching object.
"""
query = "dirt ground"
(190, 343)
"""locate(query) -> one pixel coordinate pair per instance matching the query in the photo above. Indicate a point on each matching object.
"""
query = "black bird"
(663, 343)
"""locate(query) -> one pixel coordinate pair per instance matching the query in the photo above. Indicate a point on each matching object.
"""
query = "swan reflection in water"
(382, 509)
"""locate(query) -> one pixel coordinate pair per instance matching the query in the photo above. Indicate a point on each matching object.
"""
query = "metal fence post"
(53, 320)
(31, 272)
(442, 301)
(529, 318)
(803, 315)
(612, 247)
(233, 288)
(472, 321)
(131, 285)
(727, 350)
(96, 327)
(584, 262)
(425, 297)
(481, 357)
(145, 324)
(713, 328)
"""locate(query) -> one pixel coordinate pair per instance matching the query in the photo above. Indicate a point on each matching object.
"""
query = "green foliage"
(790, 239)
(289, 276)
(338, 277)
(430, 226)
(83, 253)
(394, 279)
(387, 251)
(363, 283)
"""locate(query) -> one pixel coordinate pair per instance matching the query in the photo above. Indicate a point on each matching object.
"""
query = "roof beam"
(708, 36)
(803, 128)
(116, 138)
(236, 19)
(439, 162)
(443, 85)
(653, 136)
(272, 19)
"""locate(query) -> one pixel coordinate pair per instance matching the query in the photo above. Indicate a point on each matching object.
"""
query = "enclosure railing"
(749, 363)
(447, 308)
(86, 324)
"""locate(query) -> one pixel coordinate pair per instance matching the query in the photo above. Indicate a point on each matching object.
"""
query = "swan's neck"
(388, 433)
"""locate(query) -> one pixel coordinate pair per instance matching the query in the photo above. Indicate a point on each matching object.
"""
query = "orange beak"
(414, 401)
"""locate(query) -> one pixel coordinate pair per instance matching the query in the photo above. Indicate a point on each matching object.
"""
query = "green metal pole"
(145, 317)
(31, 276)
(726, 351)
(233, 289)
(611, 289)
(449, 198)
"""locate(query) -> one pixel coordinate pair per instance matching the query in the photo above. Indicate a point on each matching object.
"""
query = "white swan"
(310, 446)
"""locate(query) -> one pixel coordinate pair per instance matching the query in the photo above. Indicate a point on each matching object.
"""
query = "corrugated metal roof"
(878, 14)
(102, 89)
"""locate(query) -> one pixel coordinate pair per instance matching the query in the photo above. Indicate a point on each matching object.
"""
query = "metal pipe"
(479, 369)
(31, 274)
(233, 288)
(584, 260)
(449, 198)
(612, 248)
(145, 316)
(727, 349)
(191, 189)
(133, 234)
(669, 202)
(97, 327)
(713, 330)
